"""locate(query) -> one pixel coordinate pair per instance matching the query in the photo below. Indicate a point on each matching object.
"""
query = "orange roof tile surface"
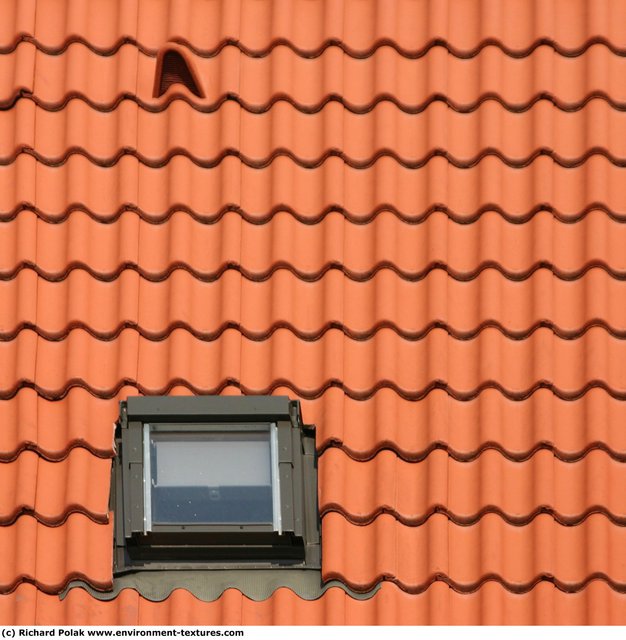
(408, 214)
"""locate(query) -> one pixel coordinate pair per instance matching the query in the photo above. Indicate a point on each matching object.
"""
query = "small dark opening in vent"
(173, 69)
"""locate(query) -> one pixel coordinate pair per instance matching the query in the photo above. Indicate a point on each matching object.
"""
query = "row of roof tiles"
(465, 429)
(359, 139)
(489, 247)
(464, 557)
(569, 429)
(412, 309)
(596, 603)
(361, 491)
(310, 83)
(411, 367)
(409, 25)
(412, 193)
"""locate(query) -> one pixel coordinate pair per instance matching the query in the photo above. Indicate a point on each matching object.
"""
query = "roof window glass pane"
(214, 477)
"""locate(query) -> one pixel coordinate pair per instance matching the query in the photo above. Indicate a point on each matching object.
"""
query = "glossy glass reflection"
(211, 478)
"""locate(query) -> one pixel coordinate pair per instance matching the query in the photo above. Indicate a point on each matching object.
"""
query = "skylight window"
(211, 475)
(214, 481)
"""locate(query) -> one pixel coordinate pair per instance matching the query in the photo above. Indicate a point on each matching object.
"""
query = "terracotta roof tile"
(565, 249)
(568, 428)
(50, 491)
(490, 604)
(412, 368)
(410, 26)
(309, 83)
(19, 19)
(52, 428)
(26, 548)
(466, 491)
(518, 557)
(360, 139)
(412, 194)
(407, 213)
(308, 309)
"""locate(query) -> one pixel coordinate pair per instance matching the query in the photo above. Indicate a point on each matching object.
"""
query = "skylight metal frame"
(293, 539)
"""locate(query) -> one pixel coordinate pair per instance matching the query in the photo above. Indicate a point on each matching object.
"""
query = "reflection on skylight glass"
(211, 478)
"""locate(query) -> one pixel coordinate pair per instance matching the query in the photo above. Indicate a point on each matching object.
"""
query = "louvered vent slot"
(175, 70)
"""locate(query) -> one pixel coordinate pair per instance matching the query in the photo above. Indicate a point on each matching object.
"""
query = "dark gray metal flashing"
(210, 585)
(220, 408)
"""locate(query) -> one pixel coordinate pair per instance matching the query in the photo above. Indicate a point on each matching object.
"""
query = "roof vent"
(173, 68)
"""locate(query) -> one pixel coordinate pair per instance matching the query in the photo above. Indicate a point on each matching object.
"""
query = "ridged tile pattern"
(569, 368)
(409, 26)
(257, 247)
(596, 603)
(466, 491)
(517, 557)
(358, 84)
(310, 139)
(409, 214)
(259, 308)
(412, 194)
(50, 491)
(74, 542)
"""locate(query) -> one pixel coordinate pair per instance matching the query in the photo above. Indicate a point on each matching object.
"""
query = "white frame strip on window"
(147, 481)
(276, 506)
